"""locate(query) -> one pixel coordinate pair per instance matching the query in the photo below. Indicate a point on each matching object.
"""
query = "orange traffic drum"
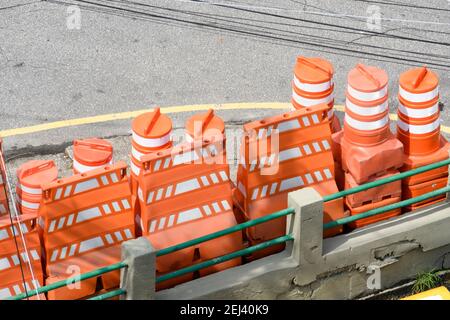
(204, 126)
(91, 154)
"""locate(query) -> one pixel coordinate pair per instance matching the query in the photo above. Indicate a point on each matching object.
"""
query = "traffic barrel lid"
(152, 129)
(419, 80)
(367, 79)
(313, 70)
(36, 172)
(93, 151)
(200, 124)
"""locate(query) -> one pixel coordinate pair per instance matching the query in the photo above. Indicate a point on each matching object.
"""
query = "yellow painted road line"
(168, 110)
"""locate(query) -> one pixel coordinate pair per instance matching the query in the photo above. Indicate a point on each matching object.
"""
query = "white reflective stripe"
(61, 222)
(72, 250)
(311, 102)
(291, 183)
(241, 188)
(26, 189)
(316, 147)
(367, 126)
(264, 191)
(4, 264)
(419, 129)
(273, 188)
(70, 219)
(135, 169)
(81, 168)
(90, 244)
(5, 293)
(216, 207)
(15, 259)
(2, 208)
(159, 194)
(104, 180)
(16, 289)
(86, 185)
(255, 193)
(325, 144)
(306, 121)
(157, 165)
(309, 178)
(109, 239)
(88, 214)
(68, 190)
(150, 197)
(136, 154)
(166, 163)
(128, 234)
(188, 215)
(149, 142)
(207, 210)
(316, 87)
(187, 186)
(114, 178)
(116, 206)
(185, 158)
(171, 220)
(418, 97)
(63, 253)
(52, 226)
(418, 113)
(3, 234)
(204, 180)
(288, 125)
(328, 173)
(152, 226)
(162, 223)
(126, 204)
(54, 255)
(214, 178)
(29, 205)
(253, 165)
(223, 175)
(106, 208)
(118, 235)
(367, 96)
(318, 176)
(307, 149)
(366, 111)
(226, 205)
(315, 119)
(58, 193)
(35, 255)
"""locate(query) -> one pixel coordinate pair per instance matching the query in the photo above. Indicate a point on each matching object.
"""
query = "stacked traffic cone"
(368, 150)
(30, 176)
(151, 133)
(204, 126)
(90, 154)
(313, 84)
(3, 198)
(418, 128)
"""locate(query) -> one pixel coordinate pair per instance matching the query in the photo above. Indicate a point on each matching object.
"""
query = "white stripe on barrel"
(366, 126)
(419, 129)
(418, 97)
(309, 87)
(366, 111)
(418, 113)
(81, 168)
(367, 96)
(311, 102)
(151, 142)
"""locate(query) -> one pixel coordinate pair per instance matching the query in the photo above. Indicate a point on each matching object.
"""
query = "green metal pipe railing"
(63, 283)
(108, 295)
(224, 232)
(390, 179)
(387, 208)
(224, 258)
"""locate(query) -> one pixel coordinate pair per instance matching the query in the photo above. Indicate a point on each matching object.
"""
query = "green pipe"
(63, 283)
(380, 182)
(224, 258)
(224, 232)
(387, 208)
(110, 294)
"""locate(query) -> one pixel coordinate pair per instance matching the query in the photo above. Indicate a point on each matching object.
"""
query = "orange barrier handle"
(423, 72)
(364, 71)
(312, 64)
(93, 145)
(153, 118)
(46, 165)
(209, 116)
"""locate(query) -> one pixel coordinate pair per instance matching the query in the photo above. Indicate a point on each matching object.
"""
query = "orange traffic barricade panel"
(412, 162)
(385, 191)
(371, 206)
(203, 126)
(185, 193)
(280, 154)
(313, 84)
(422, 188)
(83, 221)
(91, 154)
(20, 256)
(418, 125)
(366, 162)
(30, 176)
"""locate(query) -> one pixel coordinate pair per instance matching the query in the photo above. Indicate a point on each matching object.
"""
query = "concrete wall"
(343, 267)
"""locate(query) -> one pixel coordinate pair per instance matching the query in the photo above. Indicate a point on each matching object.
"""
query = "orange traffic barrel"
(313, 84)
(204, 126)
(91, 154)
(31, 175)
(366, 119)
(151, 132)
(418, 125)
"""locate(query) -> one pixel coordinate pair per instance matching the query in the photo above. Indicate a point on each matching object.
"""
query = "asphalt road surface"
(133, 54)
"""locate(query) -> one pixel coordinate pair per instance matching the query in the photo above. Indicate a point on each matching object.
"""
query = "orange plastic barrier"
(313, 84)
(204, 126)
(14, 258)
(83, 220)
(89, 154)
(418, 127)
(371, 206)
(185, 193)
(30, 176)
(281, 154)
(390, 190)
(4, 205)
